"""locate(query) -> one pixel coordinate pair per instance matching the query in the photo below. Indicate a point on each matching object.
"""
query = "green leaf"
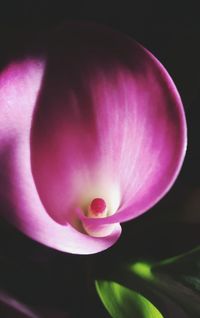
(184, 268)
(177, 277)
(122, 302)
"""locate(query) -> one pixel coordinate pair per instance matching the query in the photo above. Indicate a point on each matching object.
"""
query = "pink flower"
(92, 134)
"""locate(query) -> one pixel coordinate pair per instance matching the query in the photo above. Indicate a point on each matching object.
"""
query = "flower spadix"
(97, 208)
(92, 134)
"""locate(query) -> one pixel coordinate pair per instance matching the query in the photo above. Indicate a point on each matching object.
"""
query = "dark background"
(46, 279)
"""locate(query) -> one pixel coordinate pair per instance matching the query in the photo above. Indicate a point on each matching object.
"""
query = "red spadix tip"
(98, 206)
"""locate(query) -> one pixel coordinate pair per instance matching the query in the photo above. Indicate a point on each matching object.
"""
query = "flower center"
(97, 208)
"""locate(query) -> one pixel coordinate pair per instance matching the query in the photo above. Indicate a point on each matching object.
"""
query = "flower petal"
(100, 118)
(118, 130)
(20, 202)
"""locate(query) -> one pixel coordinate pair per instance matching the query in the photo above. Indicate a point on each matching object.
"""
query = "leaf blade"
(121, 302)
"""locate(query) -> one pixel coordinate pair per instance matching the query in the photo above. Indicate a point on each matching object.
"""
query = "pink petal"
(118, 130)
(20, 202)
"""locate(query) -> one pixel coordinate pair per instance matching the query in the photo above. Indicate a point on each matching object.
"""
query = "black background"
(46, 279)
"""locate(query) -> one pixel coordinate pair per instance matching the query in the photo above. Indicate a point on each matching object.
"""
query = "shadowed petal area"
(20, 202)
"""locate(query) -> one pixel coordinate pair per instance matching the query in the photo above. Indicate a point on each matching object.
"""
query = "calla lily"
(92, 134)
